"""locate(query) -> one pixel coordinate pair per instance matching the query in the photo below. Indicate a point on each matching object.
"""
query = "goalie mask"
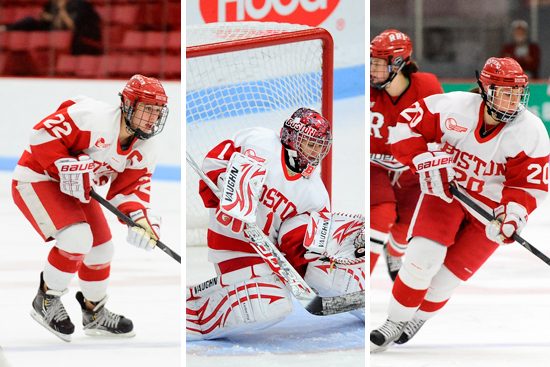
(389, 53)
(144, 106)
(503, 88)
(307, 138)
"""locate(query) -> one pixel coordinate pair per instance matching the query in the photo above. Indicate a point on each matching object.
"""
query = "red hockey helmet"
(504, 88)
(140, 92)
(395, 48)
(307, 137)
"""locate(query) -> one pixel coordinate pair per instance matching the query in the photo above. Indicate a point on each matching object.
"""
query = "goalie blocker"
(254, 298)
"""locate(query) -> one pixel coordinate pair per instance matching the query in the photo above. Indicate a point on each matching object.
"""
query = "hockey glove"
(76, 176)
(146, 236)
(436, 172)
(337, 237)
(510, 219)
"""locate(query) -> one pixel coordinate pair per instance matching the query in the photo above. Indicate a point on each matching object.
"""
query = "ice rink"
(301, 339)
(497, 318)
(144, 286)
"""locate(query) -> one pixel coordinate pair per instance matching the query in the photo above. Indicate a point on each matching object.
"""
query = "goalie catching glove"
(146, 235)
(436, 172)
(337, 237)
(76, 176)
(242, 187)
(510, 219)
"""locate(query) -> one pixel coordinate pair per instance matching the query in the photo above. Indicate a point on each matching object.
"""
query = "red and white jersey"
(85, 125)
(384, 111)
(285, 203)
(510, 164)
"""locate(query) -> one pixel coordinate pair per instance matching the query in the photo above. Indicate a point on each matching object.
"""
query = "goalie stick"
(516, 237)
(131, 223)
(314, 304)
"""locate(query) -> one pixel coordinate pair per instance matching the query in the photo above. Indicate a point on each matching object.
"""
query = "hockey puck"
(359, 252)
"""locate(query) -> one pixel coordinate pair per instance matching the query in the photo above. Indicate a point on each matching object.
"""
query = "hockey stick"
(466, 200)
(314, 304)
(131, 223)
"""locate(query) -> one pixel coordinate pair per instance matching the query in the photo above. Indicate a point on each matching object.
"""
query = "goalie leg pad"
(228, 305)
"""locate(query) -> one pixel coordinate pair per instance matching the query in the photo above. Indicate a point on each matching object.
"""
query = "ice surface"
(301, 339)
(144, 286)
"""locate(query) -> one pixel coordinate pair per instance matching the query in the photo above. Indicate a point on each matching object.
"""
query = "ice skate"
(102, 322)
(381, 338)
(49, 312)
(410, 330)
(394, 263)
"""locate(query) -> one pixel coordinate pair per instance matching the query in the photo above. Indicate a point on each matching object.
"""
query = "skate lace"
(413, 326)
(105, 318)
(54, 309)
(394, 263)
(391, 329)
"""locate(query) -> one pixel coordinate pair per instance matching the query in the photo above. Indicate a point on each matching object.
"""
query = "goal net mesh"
(231, 89)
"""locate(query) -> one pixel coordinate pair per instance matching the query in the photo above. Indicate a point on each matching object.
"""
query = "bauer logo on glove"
(242, 188)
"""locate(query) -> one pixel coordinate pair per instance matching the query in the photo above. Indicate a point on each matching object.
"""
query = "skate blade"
(377, 349)
(106, 334)
(35, 315)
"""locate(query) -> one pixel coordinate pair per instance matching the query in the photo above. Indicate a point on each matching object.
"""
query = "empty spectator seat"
(133, 41)
(173, 67)
(154, 42)
(151, 66)
(89, 66)
(173, 43)
(66, 65)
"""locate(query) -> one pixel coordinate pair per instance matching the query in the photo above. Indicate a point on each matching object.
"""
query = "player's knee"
(75, 239)
(101, 254)
(423, 258)
(443, 285)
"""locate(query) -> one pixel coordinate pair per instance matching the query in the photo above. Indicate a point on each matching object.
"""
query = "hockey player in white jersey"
(497, 153)
(288, 201)
(85, 143)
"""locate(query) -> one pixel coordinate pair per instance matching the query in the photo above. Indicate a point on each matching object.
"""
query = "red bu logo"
(306, 12)
(101, 143)
(250, 153)
(452, 125)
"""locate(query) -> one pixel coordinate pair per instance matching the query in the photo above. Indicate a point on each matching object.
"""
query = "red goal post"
(292, 55)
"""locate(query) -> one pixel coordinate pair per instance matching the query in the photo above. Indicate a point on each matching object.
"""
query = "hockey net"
(248, 74)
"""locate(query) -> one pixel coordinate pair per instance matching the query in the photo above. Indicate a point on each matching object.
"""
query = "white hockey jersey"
(285, 203)
(85, 125)
(509, 164)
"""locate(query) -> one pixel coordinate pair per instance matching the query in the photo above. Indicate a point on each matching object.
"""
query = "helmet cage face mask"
(392, 69)
(307, 135)
(505, 104)
(503, 88)
(134, 124)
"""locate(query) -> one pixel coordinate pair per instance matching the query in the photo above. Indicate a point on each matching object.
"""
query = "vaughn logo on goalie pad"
(231, 182)
(242, 188)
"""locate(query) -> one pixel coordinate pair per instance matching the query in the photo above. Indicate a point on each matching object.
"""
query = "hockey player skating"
(289, 202)
(497, 153)
(87, 142)
(395, 84)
